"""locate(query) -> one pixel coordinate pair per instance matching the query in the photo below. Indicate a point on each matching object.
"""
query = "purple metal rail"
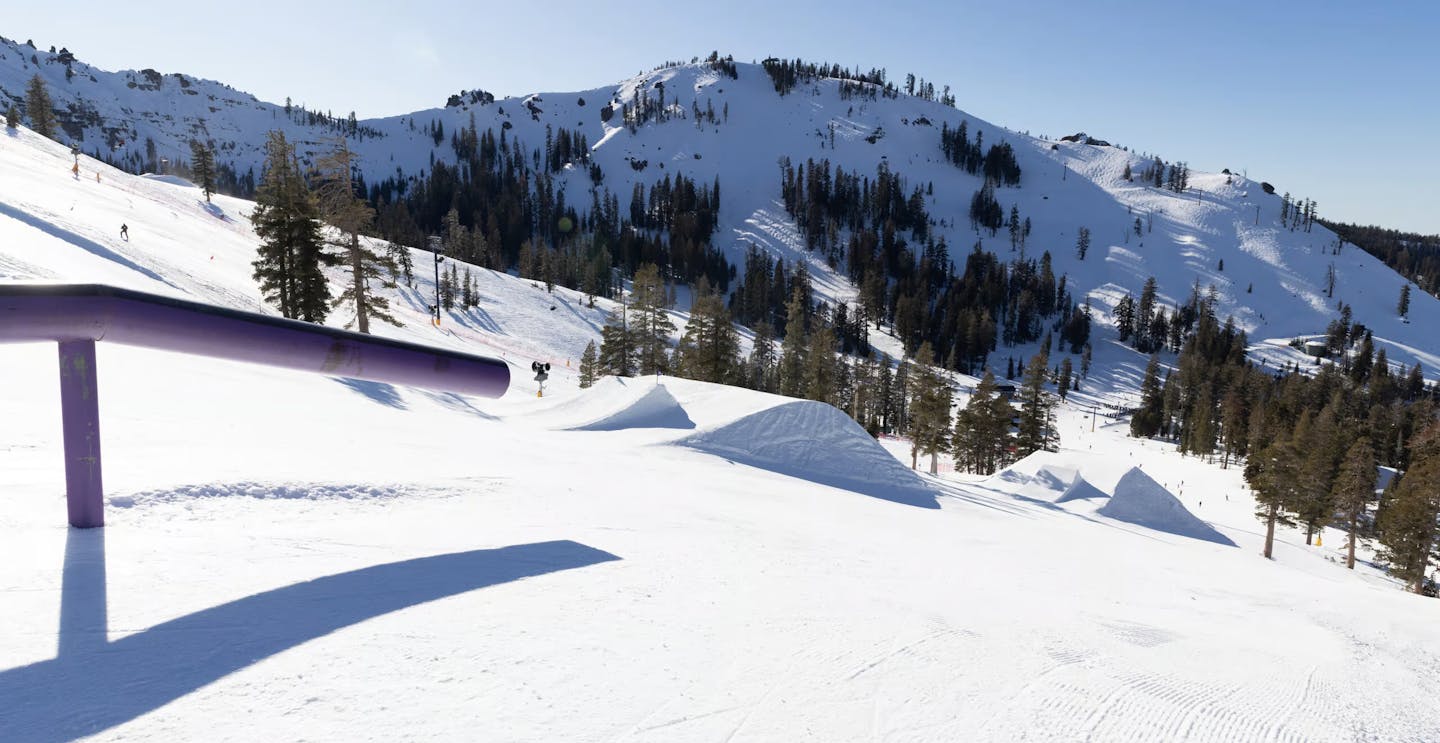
(78, 315)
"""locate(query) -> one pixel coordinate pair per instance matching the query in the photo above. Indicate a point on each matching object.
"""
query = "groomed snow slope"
(289, 556)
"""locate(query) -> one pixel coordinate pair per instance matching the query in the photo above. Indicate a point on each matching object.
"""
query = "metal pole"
(437, 247)
(80, 415)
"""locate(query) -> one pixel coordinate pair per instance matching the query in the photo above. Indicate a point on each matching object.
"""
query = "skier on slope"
(125, 231)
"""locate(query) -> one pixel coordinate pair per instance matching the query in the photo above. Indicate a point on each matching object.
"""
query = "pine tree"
(1147, 420)
(1323, 451)
(12, 117)
(202, 163)
(709, 350)
(589, 365)
(930, 400)
(40, 108)
(1404, 305)
(1354, 489)
(350, 216)
(1125, 317)
(1414, 382)
(1066, 370)
(792, 349)
(652, 322)
(1407, 524)
(617, 344)
(449, 288)
(820, 372)
(1147, 340)
(290, 258)
(1036, 406)
(1234, 431)
(1274, 475)
(271, 220)
(981, 440)
(1082, 241)
(897, 399)
(760, 372)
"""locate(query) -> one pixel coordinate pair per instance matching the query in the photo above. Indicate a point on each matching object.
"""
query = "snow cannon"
(77, 315)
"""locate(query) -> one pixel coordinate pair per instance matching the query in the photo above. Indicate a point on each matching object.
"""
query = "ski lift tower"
(542, 373)
(438, 248)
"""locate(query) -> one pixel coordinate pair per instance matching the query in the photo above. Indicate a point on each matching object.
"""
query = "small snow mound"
(656, 408)
(1141, 501)
(173, 180)
(814, 441)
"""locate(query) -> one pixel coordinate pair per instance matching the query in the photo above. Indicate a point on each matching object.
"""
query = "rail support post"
(80, 416)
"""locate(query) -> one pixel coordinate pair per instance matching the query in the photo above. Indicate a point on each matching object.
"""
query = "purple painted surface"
(87, 312)
(80, 412)
(76, 316)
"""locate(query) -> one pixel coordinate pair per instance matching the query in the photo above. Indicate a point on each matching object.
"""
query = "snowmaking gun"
(76, 316)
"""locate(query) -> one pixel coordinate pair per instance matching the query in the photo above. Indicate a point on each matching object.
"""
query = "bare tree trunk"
(357, 270)
(914, 457)
(934, 463)
(1350, 557)
(1270, 531)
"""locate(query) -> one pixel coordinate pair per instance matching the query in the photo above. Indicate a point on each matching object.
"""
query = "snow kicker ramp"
(654, 408)
(1047, 477)
(814, 441)
(1141, 501)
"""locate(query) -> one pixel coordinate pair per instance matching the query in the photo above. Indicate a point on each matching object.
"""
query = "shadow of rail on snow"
(94, 685)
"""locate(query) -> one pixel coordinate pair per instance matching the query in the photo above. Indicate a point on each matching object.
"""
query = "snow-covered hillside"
(1273, 280)
(290, 556)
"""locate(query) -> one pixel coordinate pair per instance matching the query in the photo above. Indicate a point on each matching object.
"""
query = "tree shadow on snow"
(457, 403)
(380, 392)
(94, 685)
(214, 210)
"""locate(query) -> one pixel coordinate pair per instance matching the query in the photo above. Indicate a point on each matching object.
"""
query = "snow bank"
(814, 441)
(654, 408)
(1141, 501)
(173, 180)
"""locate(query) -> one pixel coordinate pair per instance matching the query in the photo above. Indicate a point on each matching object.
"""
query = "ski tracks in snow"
(1107, 696)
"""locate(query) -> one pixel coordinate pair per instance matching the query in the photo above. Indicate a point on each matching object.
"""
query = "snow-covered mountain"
(292, 556)
(1274, 280)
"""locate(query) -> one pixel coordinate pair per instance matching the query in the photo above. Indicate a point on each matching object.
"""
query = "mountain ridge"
(1223, 230)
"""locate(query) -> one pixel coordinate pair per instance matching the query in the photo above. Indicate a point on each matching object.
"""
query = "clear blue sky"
(1335, 101)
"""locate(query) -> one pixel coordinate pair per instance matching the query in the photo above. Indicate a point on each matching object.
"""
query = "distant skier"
(125, 232)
